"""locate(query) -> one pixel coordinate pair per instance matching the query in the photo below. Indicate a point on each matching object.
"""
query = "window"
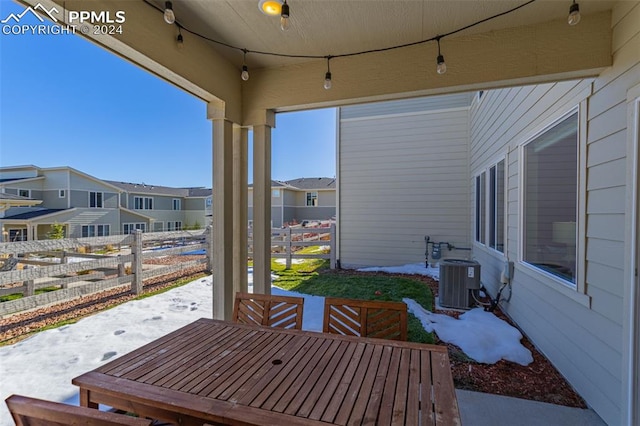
(312, 199)
(550, 199)
(496, 206)
(129, 228)
(143, 203)
(96, 230)
(208, 202)
(275, 193)
(177, 204)
(481, 191)
(174, 226)
(24, 193)
(61, 193)
(95, 199)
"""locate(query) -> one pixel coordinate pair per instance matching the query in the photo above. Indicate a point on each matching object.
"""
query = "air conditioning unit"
(457, 279)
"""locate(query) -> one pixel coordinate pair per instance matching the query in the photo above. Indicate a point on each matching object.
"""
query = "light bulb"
(169, 16)
(284, 17)
(245, 73)
(327, 81)
(284, 23)
(180, 41)
(574, 14)
(442, 66)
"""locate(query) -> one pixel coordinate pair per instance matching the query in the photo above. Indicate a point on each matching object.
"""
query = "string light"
(327, 76)
(441, 66)
(284, 17)
(179, 39)
(574, 13)
(245, 70)
(169, 16)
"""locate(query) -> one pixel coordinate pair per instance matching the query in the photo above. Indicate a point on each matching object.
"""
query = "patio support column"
(262, 205)
(240, 201)
(222, 211)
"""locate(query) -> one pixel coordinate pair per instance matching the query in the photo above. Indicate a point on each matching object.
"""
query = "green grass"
(313, 277)
(15, 296)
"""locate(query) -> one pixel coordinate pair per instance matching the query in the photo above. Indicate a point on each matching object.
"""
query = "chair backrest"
(28, 411)
(367, 318)
(269, 311)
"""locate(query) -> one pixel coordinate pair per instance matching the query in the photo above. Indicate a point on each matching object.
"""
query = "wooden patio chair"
(28, 411)
(366, 318)
(268, 311)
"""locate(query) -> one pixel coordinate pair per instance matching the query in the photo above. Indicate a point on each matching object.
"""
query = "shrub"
(57, 232)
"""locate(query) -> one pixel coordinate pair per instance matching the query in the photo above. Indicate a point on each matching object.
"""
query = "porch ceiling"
(531, 45)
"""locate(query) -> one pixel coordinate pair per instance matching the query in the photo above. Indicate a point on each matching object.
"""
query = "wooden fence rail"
(89, 273)
(66, 264)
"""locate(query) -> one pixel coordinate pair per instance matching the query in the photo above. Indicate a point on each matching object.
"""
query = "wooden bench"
(28, 411)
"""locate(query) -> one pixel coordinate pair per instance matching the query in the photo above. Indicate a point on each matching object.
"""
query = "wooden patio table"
(219, 372)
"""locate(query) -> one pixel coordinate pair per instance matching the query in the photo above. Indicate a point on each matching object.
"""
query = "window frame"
(95, 200)
(24, 191)
(94, 229)
(62, 193)
(577, 291)
(176, 202)
(132, 226)
(142, 203)
(316, 198)
(488, 222)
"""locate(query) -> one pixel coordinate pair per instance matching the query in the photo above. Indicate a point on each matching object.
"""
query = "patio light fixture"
(245, 70)
(574, 13)
(327, 76)
(179, 39)
(284, 17)
(169, 16)
(441, 67)
(270, 7)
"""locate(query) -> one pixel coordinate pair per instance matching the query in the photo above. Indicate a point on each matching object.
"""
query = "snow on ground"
(412, 268)
(43, 365)
(481, 335)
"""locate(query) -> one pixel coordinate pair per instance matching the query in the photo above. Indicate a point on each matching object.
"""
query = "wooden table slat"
(446, 405)
(398, 412)
(354, 387)
(319, 384)
(389, 391)
(275, 380)
(375, 400)
(413, 393)
(379, 365)
(354, 351)
(426, 391)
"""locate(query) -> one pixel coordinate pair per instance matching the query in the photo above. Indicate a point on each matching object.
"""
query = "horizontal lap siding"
(403, 177)
(584, 343)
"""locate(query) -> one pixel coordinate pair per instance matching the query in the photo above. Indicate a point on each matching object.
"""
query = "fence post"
(136, 264)
(121, 269)
(332, 246)
(288, 247)
(29, 288)
(63, 257)
(208, 238)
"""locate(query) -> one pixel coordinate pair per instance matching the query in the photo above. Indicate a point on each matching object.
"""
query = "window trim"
(20, 190)
(502, 157)
(146, 203)
(101, 206)
(577, 291)
(178, 202)
(306, 199)
(62, 193)
(95, 230)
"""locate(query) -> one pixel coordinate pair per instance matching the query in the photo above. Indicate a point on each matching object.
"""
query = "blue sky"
(67, 102)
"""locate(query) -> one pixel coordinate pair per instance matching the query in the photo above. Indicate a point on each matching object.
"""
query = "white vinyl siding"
(402, 177)
(579, 330)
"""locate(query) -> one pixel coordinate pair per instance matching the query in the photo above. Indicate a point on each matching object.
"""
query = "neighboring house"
(34, 198)
(297, 200)
(544, 176)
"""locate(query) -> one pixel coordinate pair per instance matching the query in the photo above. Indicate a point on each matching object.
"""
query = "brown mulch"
(538, 381)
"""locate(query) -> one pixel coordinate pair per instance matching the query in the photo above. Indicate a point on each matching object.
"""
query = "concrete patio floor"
(482, 409)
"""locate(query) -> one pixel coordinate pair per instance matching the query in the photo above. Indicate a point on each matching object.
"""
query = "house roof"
(143, 188)
(33, 214)
(313, 183)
